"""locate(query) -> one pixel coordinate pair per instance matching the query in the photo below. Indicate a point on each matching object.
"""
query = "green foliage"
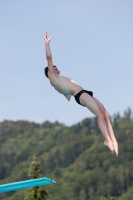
(108, 198)
(34, 169)
(128, 195)
(35, 193)
(73, 156)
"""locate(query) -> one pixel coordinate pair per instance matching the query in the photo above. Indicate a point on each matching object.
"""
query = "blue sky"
(92, 44)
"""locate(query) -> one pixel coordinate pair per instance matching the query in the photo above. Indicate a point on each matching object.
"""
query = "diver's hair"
(46, 71)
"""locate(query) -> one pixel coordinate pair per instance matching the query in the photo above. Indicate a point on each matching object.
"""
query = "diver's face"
(56, 71)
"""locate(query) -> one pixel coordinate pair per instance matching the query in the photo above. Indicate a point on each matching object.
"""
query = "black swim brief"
(81, 92)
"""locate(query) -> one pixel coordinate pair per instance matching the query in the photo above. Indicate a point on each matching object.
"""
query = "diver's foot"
(115, 144)
(110, 145)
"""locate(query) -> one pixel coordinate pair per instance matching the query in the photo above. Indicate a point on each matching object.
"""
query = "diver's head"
(56, 71)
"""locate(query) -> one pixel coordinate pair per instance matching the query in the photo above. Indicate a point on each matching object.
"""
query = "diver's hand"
(47, 40)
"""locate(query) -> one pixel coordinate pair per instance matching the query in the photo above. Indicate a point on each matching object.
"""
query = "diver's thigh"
(99, 103)
(89, 102)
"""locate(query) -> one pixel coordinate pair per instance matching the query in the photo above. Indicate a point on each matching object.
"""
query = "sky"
(92, 44)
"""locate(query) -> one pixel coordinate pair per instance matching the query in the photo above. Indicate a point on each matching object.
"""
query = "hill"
(73, 156)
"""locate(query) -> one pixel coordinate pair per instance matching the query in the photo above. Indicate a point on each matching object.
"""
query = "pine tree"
(38, 192)
(82, 195)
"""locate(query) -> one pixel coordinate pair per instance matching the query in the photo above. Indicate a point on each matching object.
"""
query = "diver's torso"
(66, 85)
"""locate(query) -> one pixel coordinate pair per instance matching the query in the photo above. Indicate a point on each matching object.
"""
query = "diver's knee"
(103, 113)
(106, 113)
(100, 113)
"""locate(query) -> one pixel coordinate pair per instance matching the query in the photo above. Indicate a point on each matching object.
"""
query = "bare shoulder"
(53, 78)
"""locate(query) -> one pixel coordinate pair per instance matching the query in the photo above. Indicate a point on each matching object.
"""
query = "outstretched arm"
(48, 53)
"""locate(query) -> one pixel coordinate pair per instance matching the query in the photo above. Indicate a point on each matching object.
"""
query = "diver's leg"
(92, 105)
(109, 126)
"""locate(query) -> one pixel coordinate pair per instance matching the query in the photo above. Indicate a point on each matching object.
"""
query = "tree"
(107, 198)
(91, 193)
(82, 195)
(38, 192)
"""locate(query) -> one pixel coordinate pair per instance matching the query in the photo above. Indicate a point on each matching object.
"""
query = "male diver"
(69, 87)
